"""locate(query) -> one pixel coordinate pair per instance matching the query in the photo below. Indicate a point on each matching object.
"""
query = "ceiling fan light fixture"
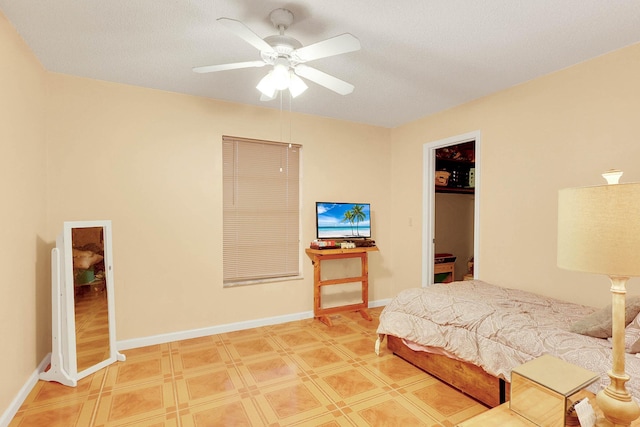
(296, 85)
(280, 74)
(267, 86)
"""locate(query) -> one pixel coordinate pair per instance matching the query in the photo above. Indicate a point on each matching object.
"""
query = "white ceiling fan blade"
(224, 67)
(324, 79)
(337, 45)
(246, 34)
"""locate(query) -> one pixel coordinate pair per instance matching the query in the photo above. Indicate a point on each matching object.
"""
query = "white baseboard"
(212, 330)
(379, 303)
(13, 408)
(8, 415)
(220, 329)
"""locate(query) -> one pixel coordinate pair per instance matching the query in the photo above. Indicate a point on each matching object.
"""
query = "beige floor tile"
(269, 370)
(389, 410)
(208, 385)
(442, 402)
(140, 369)
(226, 412)
(63, 414)
(292, 402)
(320, 358)
(252, 347)
(349, 384)
(298, 339)
(329, 419)
(200, 357)
(136, 403)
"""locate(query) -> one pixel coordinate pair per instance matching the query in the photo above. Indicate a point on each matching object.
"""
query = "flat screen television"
(336, 220)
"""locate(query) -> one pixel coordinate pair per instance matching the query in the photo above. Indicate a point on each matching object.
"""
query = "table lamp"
(599, 232)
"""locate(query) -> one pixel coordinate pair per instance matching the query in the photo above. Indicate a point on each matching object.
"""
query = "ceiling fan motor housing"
(282, 44)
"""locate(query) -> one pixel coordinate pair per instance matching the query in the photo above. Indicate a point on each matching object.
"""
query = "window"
(261, 210)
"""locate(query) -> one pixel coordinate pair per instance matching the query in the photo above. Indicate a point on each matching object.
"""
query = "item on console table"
(365, 243)
(324, 244)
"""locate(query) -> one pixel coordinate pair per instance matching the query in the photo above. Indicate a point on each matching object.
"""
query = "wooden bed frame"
(466, 377)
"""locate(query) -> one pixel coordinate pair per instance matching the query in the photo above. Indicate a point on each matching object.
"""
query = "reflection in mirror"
(90, 296)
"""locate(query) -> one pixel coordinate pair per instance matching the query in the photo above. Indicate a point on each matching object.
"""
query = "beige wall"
(558, 131)
(24, 258)
(151, 162)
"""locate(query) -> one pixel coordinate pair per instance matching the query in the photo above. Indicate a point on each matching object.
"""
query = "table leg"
(365, 314)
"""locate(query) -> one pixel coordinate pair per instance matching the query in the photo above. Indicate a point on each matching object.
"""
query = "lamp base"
(618, 406)
(615, 401)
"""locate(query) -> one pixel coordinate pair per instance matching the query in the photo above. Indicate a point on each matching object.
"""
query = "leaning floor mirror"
(83, 325)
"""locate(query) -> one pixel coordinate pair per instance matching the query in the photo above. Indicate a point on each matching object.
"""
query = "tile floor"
(300, 373)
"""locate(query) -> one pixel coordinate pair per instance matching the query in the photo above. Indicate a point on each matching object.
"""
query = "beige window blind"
(261, 217)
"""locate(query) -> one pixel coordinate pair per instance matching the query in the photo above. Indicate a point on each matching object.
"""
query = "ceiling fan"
(288, 57)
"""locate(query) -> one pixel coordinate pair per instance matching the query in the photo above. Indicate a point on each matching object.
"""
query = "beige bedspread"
(499, 328)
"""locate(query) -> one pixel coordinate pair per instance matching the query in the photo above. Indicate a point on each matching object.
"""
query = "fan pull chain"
(290, 102)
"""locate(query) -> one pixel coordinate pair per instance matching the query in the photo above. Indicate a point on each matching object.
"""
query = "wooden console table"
(319, 255)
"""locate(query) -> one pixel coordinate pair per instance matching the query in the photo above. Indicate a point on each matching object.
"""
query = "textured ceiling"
(418, 57)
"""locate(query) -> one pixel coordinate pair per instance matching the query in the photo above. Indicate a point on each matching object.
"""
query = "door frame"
(428, 201)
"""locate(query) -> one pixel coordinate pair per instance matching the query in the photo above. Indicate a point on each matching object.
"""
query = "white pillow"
(632, 336)
(598, 323)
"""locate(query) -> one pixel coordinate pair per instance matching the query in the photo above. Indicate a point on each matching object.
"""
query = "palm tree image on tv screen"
(343, 220)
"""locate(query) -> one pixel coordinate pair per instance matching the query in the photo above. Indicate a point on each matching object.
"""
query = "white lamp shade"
(266, 85)
(599, 229)
(296, 86)
(280, 75)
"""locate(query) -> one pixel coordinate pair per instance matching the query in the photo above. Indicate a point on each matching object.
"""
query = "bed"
(471, 334)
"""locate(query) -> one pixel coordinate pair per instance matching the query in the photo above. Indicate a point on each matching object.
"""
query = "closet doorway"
(452, 210)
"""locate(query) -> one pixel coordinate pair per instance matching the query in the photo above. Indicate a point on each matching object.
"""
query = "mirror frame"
(64, 365)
